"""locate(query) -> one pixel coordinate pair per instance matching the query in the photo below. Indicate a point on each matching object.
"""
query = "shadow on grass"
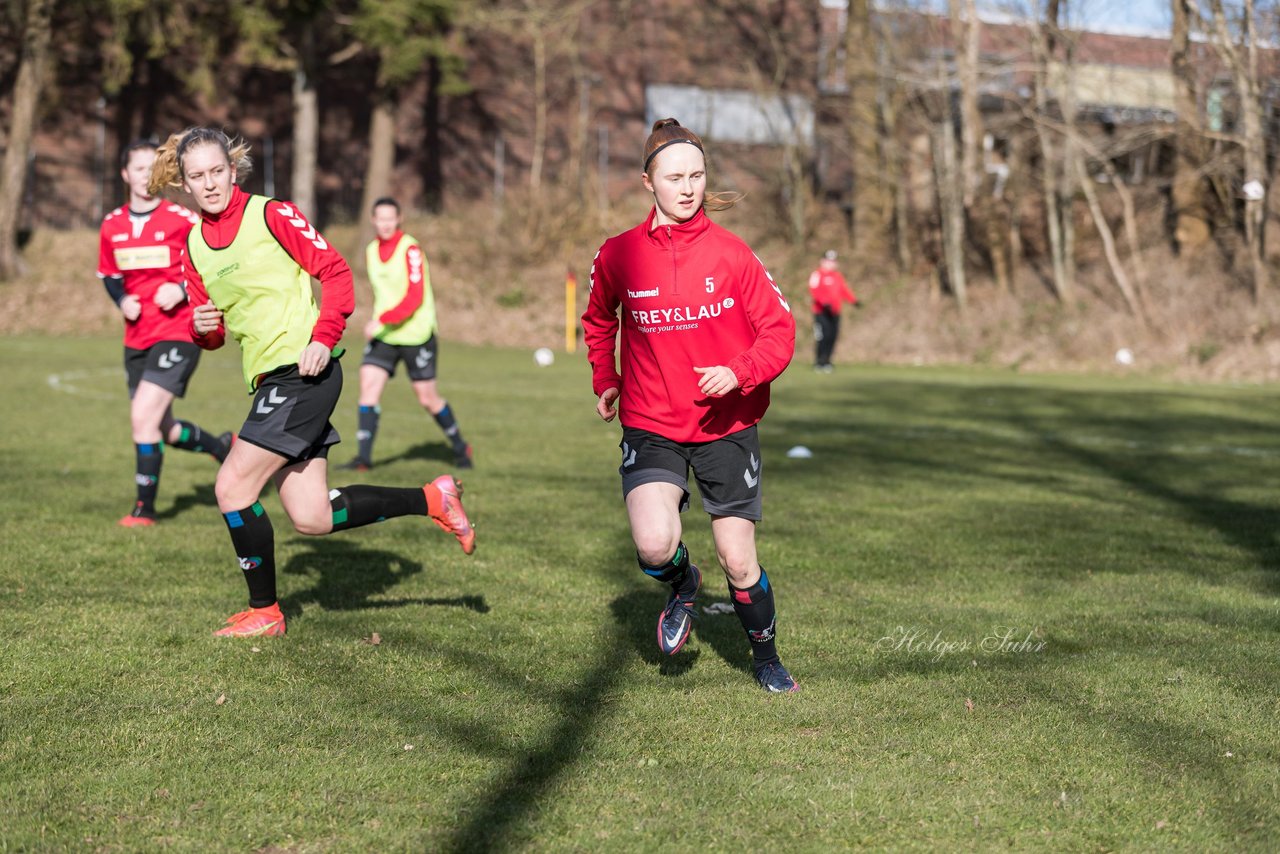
(201, 496)
(516, 795)
(635, 615)
(434, 451)
(350, 575)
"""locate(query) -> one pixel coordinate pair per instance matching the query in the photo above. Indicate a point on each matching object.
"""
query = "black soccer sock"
(755, 610)
(255, 543)
(674, 572)
(192, 438)
(366, 431)
(150, 458)
(449, 425)
(354, 506)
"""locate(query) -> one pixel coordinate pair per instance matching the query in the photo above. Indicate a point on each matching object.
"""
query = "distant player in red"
(139, 262)
(829, 292)
(704, 330)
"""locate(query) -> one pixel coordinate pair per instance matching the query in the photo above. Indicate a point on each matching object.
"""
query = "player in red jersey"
(139, 262)
(704, 332)
(829, 291)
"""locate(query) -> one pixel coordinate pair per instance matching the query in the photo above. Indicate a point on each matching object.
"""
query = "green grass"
(1127, 526)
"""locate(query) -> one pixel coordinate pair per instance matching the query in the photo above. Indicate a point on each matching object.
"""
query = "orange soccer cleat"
(253, 623)
(452, 517)
(137, 519)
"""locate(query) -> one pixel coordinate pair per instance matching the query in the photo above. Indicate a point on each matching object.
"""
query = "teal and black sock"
(674, 572)
(755, 610)
(255, 543)
(354, 506)
(449, 425)
(150, 458)
(366, 431)
(197, 440)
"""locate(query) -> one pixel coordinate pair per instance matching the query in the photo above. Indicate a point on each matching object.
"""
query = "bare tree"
(1242, 60)
(1056, 153)
(1189, 191)
(32, 66)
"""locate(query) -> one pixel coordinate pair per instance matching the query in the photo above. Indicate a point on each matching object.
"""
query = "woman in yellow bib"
(403, 328)
(248, 268)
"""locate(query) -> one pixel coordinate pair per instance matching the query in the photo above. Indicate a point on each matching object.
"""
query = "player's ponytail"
(167, 171)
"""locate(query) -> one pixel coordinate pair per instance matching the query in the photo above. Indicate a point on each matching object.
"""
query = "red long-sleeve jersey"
(300, 240)
(403, 310)
(146, 251)
(829, 290)
(689, 295)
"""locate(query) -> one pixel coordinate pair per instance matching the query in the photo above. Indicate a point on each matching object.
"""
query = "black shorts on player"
(168, 364)
(728, 469)
(419, 359)
(290, 413)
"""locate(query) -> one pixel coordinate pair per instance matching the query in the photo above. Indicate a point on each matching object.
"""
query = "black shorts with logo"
(290, 413)
(728, 469)
(168, 364)
(419, 359)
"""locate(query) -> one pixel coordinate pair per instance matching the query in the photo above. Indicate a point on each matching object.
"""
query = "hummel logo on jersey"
(270, 397)
(119, 238)
(307, 229)
(746, 473)
(168, 360)
(423, 358)
(159, 235)
(628, 455)
(248, 563)
(652, 292)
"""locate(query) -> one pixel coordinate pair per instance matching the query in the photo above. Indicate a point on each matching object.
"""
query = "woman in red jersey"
(704, 331)
(248, 268)
(139, 262)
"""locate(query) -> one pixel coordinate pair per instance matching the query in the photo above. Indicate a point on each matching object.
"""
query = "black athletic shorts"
(168, 364)
(419, 359)
(290, 413)
(727, 470)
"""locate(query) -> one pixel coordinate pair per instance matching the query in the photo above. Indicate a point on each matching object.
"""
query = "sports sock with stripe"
(255, 543)
(754, 607)
(354, 506)
(366, 431)
(150, 458)
(449, 425)
(674, 572)
(193, 438)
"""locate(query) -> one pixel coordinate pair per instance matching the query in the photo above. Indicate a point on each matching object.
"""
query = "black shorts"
(290, 413)
(168, 364)
(728, 469)
(419, 359)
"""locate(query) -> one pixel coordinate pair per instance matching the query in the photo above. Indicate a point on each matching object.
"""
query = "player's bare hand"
(169, 296)
(371, 329)
(314, 359)
(206, 318)
(131, 307)
(717, 381)
(607, 405)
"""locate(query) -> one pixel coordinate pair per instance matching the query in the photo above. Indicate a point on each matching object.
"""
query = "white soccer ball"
(1124, 356)
(543, 356)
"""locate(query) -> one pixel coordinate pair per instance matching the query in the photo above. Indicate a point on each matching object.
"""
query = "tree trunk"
(26, 99)
(539, 109)
(382, 156)
(1189, 194)
(432, 168)
(1054, 163)
(951, 208)
(306, 126)
(1108, 243)
(862, 126)
(964, 30)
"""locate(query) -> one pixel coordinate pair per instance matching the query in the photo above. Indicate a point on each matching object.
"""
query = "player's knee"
(313, 524)
(655, 548)
(739, 566)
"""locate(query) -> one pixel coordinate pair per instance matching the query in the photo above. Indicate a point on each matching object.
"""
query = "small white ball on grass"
(543, 356)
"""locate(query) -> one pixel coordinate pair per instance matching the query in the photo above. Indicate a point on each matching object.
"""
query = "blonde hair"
(668, 132)
(167, 172)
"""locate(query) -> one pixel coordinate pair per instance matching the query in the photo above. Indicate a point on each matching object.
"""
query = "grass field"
(1026, 612)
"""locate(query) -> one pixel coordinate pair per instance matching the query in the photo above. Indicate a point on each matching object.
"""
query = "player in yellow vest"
(248, 268)
(403, 328)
